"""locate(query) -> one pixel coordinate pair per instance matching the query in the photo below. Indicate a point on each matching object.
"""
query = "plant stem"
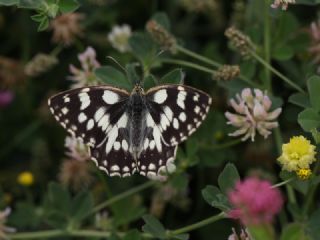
(197, 225)
(311, 192)
(282, 183)
(278, 140)
(73, 233)
(123, 195)
(198, 56)
(212, 63)
(188, 64)
(267, 58)
(276, 72)
(35, 235)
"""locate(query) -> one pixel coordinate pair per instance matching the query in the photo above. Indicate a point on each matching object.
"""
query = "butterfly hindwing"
(89, 113)
(177, 110)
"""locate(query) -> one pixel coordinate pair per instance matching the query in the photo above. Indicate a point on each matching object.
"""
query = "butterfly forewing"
(89, 113)
(177, 110)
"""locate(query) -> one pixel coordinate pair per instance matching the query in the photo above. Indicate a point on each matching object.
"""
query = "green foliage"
(294, 231)
(228, 177)
(64, 211)
(154, 227)
(173, 77)
(111, 76)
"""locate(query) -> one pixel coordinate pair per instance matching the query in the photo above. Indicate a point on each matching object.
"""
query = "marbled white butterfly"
(132, 132)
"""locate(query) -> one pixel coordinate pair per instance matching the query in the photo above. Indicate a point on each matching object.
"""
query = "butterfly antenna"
(116, 62)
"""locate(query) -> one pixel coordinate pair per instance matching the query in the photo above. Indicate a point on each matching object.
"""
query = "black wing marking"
(177, 110)
(88, 113)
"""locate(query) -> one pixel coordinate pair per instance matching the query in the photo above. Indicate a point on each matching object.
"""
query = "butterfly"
(132, 132)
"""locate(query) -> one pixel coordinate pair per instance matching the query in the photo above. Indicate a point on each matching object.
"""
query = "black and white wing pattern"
(177, 111)
(97, 115)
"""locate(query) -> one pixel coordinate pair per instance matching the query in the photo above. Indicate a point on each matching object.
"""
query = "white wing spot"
(117, 146)
(104, 122)
(180, 103)
(90, 124)
(112, 136)
(99, 114)
(160, 96)
(84, 99)
(168, 113)
(164, 122)
(197, 109)
(152, 144)
(196, 97)
(189, 127)
(85, 90)
(82, 117)
(157, 138)
(150, 122)
(115, 168)
(110, 97)
(180, 88)
(126, 169)
(66, 99)
(122, 123)
(125, 145)
(183, 117)
(146, 143)
(64, 110)
(175, 123)
(152, 166)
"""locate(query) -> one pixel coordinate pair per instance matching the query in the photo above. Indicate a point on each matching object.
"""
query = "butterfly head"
(138, 89)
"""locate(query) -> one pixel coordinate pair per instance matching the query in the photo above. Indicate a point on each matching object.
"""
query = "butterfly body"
(132, 132)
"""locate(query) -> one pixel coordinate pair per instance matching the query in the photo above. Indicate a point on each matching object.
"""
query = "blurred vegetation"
(282, 59)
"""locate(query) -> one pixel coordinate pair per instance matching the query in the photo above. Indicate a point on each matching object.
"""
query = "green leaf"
(25, 215)
(149, 82)
(44, 24)
(313, 225)
(59, 197)
(38, 17)
(9, 2)
(300, 99)
(67, 6)
(32, 4)
(180, 181)
(143, 49)
(309, 119)
(215, 198)
(294, 231)
(228, 178)
(313, 84)
(154, 227)
(82, 204)
(111, 76)
(174, 77)
(282, 53)
(162, 19)
(132, 73)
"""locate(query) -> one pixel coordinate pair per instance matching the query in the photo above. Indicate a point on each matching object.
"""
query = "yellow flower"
(304, 173)
(299, 153)
(25, 178)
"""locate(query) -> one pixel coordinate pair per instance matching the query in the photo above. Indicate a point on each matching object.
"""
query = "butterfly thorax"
(137, 125)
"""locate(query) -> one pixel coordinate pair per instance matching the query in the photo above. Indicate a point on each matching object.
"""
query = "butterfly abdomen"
(137, 111)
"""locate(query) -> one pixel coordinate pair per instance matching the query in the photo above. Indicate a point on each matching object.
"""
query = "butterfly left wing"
(177, 111)
(86, 112)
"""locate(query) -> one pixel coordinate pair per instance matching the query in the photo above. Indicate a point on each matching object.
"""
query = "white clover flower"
(119, 37)
(283, 3)
(252, 114)
(76, 149)
(84, 76)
